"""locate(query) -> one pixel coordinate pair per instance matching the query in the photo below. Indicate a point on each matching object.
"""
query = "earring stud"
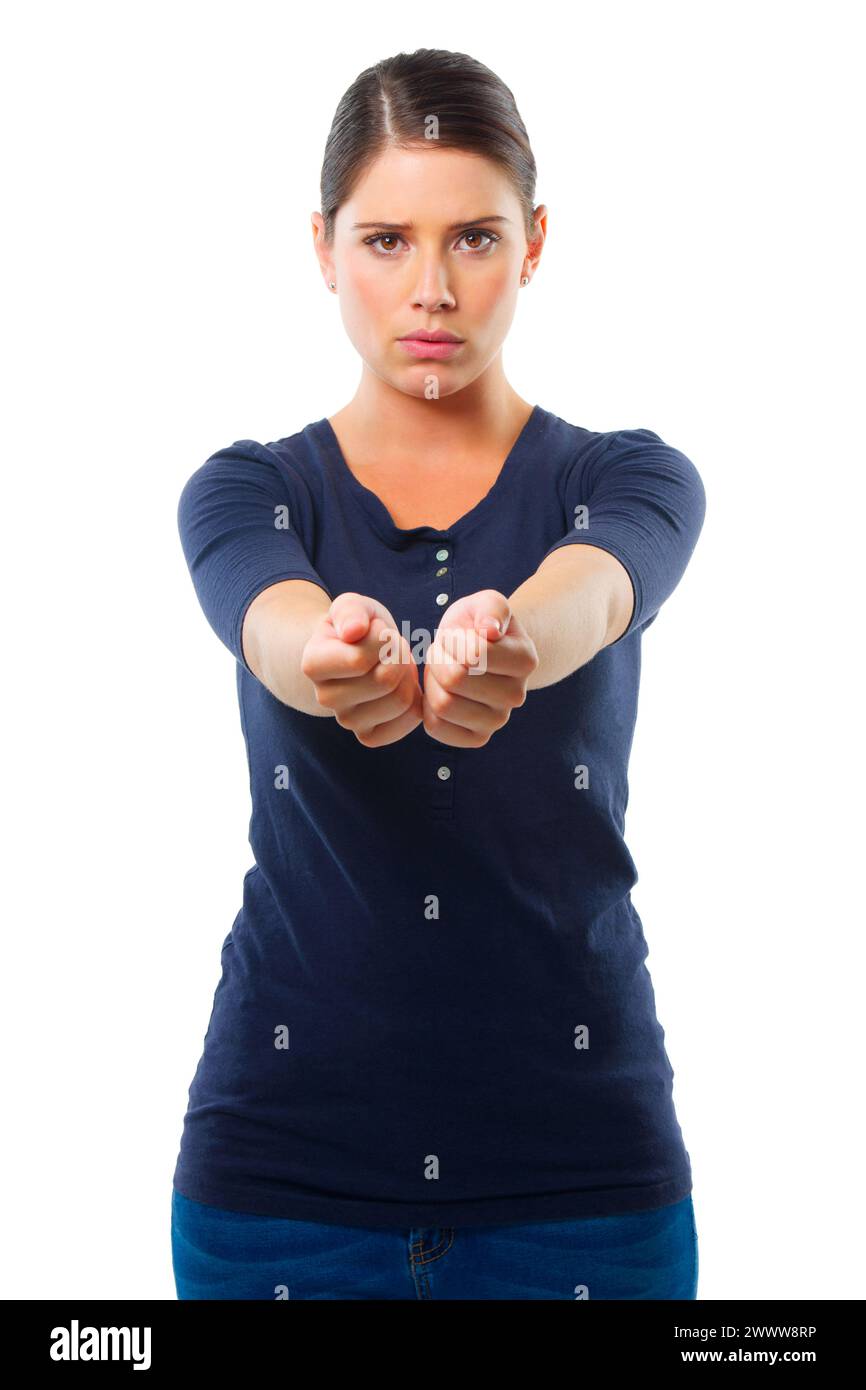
(524, 280)
(331, 285)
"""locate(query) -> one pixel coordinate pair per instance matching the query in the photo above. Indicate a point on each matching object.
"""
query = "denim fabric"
(230, 1255)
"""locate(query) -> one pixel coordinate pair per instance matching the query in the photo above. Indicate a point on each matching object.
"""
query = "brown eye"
(382, 237)
(490, 239)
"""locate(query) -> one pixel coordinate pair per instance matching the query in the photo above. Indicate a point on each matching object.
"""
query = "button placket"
(441, 762)
(440, 775)
(443, 572)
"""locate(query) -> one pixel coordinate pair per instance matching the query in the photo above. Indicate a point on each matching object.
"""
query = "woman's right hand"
(362, 668)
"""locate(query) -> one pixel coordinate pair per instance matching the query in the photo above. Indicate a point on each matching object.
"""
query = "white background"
(702, 167)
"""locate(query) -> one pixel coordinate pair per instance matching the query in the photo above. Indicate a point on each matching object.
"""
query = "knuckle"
(440, 700)
(449, 678)
(387, 674)
(309, 664)
(357, 661)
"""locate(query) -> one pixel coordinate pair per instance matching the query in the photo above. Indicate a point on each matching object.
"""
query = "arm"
(278, 624)
(638, 508)
(579, 600)
(325, 659)
(242, 519)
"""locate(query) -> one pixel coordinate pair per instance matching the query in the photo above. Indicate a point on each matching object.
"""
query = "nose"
(431, 289)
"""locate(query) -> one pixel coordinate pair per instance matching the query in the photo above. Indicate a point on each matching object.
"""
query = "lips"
(421, 335)
(438, 345)
(435, 350)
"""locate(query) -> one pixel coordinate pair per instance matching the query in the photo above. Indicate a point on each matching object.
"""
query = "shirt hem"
(498, 1211)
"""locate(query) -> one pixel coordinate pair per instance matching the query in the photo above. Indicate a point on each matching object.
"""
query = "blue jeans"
(229, 1254)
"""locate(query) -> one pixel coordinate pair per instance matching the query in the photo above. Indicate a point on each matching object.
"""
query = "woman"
(433, 1067)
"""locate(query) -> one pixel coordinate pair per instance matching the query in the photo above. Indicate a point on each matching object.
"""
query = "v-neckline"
(378, 512)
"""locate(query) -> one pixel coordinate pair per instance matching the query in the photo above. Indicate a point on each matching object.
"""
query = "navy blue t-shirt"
(434, 1008)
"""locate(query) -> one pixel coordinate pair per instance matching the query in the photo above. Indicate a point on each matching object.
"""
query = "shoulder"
(282, 468)
(654, 463)
(642, 456)
(635, 463)
(565, 449)
(246, 484)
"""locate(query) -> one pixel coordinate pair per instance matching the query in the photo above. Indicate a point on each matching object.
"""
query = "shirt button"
(442, 554)
(443, 570)
(441, 598)
(444, 773)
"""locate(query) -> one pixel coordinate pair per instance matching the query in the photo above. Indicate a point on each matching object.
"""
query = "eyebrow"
(407, 226)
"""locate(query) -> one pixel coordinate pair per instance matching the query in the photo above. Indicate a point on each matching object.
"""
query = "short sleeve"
(240, 518)
(644, 502)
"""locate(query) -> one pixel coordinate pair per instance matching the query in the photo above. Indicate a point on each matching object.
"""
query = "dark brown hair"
(390, 104)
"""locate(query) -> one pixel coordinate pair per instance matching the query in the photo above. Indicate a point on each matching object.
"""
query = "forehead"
(429, 184)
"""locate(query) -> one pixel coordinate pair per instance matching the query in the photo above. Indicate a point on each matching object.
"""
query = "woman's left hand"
(475, 674)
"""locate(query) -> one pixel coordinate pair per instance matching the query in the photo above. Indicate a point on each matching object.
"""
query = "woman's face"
(453, 265)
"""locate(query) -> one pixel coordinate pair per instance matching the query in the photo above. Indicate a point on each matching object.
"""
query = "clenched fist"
(476, 670)
(379, 700)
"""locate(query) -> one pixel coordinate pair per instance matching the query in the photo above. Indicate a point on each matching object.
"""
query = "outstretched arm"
(579, 600)
(636, 510)
(637, 507)
(276, 628)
